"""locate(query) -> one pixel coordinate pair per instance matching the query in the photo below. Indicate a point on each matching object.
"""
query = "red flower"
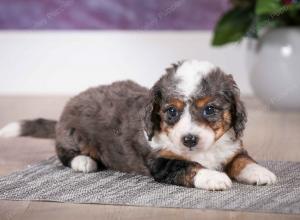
(286, 2)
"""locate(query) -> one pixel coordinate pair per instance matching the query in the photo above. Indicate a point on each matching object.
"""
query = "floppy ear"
(151, 116)
(239, 112)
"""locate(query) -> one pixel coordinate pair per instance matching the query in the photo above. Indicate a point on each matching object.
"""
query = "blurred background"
(65, 46)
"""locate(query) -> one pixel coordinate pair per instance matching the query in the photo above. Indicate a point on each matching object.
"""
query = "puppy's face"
(193, 106)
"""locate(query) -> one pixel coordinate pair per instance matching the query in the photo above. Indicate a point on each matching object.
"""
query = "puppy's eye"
(209, 110)
(172, 112)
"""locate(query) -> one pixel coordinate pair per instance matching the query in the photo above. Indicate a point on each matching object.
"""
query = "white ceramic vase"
(275, 68)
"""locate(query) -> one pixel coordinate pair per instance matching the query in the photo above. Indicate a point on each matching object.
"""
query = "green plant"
(249, 17)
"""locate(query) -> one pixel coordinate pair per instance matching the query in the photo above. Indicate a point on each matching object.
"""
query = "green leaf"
(279, 15)
(265, 21)
(232, 26)
(268, 6)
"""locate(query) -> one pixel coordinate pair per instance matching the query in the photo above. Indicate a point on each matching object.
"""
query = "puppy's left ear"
(151, 114)
(238, 111)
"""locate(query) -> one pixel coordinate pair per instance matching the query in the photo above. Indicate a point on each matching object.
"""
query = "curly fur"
(124, 127)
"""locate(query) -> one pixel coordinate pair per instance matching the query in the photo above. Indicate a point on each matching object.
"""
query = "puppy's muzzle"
(190, 140)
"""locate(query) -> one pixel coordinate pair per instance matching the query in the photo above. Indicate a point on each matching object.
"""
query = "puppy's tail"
(39, 128)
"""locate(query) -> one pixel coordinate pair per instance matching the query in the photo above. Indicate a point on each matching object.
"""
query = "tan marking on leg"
(90, 151)
(238, 163)
(170, 155)
(191, 173)
(186, 178)
(241, 150)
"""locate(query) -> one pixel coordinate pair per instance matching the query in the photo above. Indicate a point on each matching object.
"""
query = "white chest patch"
(224, 149)
(190, 74)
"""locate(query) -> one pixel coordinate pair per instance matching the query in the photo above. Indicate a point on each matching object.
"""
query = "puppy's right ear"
(151, 116)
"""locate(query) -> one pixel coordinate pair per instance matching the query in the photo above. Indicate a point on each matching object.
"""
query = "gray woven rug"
(50, 181)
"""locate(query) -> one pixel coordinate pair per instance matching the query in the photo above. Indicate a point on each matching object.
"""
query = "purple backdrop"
(111, 14)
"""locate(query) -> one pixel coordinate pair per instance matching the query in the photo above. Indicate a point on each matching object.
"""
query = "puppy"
(185, 131)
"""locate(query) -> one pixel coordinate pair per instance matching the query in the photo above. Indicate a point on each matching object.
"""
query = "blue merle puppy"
(186, 130)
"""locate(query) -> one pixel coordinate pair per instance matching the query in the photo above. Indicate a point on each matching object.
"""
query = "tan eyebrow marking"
(202, 102)
(179, 104)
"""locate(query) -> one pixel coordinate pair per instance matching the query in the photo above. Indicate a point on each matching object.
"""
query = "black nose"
(190, 140)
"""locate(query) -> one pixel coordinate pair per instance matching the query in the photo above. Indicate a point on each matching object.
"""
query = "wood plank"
(60, 211)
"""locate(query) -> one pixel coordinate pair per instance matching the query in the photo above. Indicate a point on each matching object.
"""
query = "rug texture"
(50, 181)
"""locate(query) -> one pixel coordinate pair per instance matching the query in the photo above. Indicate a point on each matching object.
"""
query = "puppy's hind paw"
(83, 164)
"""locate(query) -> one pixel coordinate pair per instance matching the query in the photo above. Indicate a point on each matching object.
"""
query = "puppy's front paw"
(256, 175)
(83, 164)
(212, 180)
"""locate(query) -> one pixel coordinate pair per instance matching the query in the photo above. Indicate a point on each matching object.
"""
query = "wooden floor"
(269, 135)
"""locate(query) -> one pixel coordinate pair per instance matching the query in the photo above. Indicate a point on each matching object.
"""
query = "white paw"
(212, 180)
(256, 174)
(11, 130)
(83, 164)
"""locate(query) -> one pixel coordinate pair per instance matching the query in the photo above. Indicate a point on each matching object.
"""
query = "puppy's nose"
(190, 140)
